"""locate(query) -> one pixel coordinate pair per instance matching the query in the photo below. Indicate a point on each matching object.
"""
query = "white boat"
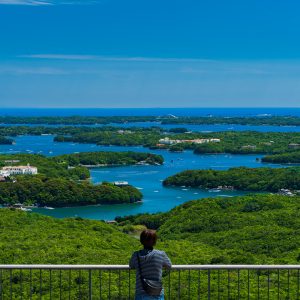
(48, 207)
(25, 209)
(214, 190)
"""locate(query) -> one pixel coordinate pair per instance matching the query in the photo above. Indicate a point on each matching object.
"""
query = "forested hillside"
(256, 229)
(260, 229)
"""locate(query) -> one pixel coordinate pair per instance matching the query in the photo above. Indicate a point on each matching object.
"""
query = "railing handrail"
(174, 267)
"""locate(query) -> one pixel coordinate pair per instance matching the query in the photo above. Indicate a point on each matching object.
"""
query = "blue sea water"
(233, 111)
(147, 178)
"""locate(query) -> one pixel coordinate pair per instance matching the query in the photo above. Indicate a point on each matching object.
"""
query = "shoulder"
(135, 253)
(159, 252)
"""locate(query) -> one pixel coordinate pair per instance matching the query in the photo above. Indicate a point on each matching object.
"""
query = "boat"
(25, 209)
(215, 190)
(48, 207)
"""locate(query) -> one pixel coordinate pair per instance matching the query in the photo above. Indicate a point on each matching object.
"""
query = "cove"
(147, 178)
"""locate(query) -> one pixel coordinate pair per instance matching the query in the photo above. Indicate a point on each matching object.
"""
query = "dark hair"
(148, 238)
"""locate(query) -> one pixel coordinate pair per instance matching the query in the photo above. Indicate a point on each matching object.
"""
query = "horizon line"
(156, 107)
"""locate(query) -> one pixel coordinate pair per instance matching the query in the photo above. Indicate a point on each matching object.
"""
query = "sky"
(158, 53)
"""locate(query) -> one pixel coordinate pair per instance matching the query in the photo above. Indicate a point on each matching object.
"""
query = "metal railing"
(118, 282)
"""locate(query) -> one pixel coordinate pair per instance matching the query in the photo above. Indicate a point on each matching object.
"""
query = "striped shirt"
(152, 262)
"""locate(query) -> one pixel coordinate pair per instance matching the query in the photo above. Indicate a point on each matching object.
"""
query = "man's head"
(148, 238)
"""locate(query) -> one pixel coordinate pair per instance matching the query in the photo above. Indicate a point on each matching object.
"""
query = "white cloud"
(61, 56)
(25, 2)
(111, 58)
(46, 2)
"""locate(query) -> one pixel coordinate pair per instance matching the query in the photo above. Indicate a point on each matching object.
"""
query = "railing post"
(129, 286)
(208, 284)
(90, 285)
(179, 283)
(0, 284)
(10, 283)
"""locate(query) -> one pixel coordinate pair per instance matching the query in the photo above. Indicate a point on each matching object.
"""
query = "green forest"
(242, 178)
(61, 192)
(237, 230)
(71, 166)
(284, 158)
(109, 158)
(256, 229)
(136, 137)
(246, 142)
(91, 120)
(250, 142)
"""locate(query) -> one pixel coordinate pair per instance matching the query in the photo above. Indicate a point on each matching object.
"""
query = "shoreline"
(91, 205)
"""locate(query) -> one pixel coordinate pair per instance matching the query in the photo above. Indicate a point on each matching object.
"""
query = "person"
(152, 262)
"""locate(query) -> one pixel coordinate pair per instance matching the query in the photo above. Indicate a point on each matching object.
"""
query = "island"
(106, 158)
(235, 142)
(284, 158)
(241, 179)
(167, 119)
(62, 181)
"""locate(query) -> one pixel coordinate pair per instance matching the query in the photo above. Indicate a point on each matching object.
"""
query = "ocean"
(225, 112)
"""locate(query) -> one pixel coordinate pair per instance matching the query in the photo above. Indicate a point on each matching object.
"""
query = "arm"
(132, 262)
(166, 261)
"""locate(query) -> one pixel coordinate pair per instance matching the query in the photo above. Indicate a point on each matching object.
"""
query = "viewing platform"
(118, 282)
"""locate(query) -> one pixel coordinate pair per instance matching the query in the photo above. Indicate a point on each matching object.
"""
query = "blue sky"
(158, 53)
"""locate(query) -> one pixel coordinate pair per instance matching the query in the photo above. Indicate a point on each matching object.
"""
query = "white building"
(121, 183)
(168, 141)
(18, 170)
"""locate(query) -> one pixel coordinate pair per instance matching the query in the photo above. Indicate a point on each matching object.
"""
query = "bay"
(147, 178)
